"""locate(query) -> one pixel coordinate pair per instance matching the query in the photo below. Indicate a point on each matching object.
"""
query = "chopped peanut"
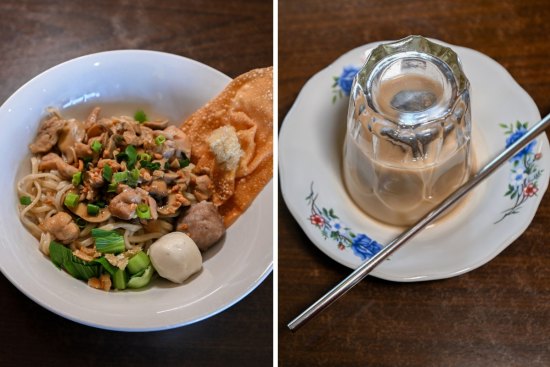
(104, 282)
(94, 283)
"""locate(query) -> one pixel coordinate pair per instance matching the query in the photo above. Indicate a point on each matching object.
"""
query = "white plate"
(310, 154)
(159, 83)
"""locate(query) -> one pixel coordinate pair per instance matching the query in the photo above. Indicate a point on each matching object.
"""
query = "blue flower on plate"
(515, 137)
(365, 247)
(525, 171)
(337, 227)
(330, 226)
(345, 80)
(518, 175)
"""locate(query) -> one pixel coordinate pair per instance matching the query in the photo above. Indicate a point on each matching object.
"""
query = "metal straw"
(364, 269)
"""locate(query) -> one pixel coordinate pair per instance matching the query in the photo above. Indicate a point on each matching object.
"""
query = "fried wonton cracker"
(245, 109)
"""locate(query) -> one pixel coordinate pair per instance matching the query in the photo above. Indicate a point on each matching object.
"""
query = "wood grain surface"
(496, 315)
(231, 36)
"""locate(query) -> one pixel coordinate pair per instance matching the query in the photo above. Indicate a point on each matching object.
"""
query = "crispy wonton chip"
(246, 104)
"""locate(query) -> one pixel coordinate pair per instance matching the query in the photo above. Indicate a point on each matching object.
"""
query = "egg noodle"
(46, 191)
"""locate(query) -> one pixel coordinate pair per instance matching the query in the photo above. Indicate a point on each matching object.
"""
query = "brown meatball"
(62, 227)
(203, 224)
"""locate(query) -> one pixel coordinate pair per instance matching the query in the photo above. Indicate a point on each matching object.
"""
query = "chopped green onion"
(77, 179)
(138, 262)
(71, 200)
(87, 161)
(144, 157)
(108, 241)
(140, 116)
(96, 146)
(133, 177)
(131, 153)
(107, 172)
(81, 223)
(101, 204)
(150, 165)
(184, 162)
(120, 279)
(112, 187)
(141, 280)
(93, 209)
(159, 140)
(120, 176)
(25, 200)
(166, 165)
(121, 157)
(143, 211)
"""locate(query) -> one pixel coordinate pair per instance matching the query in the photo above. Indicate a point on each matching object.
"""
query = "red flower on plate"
(530, 190)
(341, 246)
(538, 156)
(317, 220)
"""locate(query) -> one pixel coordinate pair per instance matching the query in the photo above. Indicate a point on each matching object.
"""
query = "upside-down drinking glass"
(407, 144)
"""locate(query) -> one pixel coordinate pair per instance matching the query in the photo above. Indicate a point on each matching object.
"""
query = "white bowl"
(163, 85)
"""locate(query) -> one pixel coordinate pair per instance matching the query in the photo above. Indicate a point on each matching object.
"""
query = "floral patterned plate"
(487, 221)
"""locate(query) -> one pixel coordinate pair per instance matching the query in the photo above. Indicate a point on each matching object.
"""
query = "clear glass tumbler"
(407, 145)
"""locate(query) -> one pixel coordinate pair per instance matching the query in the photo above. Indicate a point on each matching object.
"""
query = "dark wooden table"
(231, 36)
(497, 315)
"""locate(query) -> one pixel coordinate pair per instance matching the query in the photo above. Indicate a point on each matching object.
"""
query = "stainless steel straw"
(364, 269)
